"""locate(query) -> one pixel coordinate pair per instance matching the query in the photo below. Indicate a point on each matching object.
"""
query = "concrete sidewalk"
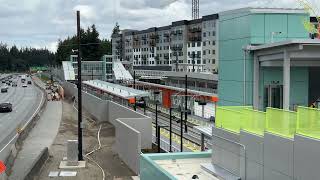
(41, 136)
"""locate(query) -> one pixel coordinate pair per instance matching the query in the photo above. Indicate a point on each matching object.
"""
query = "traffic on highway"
(19, 99)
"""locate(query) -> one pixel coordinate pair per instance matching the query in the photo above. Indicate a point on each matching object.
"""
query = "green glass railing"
(253, 121)
(308, 122)
(229, 117)
(281, 122)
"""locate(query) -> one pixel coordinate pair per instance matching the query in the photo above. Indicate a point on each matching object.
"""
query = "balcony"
(154, 36)
(152, 43)
(195, 30)
(194, 38)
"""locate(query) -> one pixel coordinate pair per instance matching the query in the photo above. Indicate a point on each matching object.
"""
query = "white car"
(24, 85)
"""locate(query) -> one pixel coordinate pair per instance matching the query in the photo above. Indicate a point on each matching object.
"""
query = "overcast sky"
(40, 23)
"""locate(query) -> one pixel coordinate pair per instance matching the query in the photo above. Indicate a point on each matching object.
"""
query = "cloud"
(39, 23)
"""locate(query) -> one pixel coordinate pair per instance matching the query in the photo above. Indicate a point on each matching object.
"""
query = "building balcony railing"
(195, 29)
(194, 38)
(154, 36)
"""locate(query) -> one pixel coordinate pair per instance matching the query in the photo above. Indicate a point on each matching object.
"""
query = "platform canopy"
(116, 89)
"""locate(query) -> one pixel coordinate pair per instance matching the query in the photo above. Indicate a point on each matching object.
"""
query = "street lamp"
(156, 93)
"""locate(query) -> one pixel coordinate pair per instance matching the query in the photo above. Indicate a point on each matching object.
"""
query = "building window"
(198, 61)
(209, 33)
(213, 51)
(199, 44)
(204, 61)
(204, 34)
(213, 61)
(193, 44)
(213, 33)
(188, 44)
(204, 43)
(204, 52)
(209, 52)
(199, 54)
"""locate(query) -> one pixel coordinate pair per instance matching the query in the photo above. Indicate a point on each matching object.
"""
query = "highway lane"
(25, 101)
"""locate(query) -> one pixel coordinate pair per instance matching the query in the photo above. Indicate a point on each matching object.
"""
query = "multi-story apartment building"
(184, 46)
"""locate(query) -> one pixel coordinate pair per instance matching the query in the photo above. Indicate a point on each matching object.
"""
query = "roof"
(116, 89)
(284, 43)
(201, 93)
(264, 10)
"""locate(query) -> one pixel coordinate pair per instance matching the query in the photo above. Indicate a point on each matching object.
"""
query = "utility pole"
(134, 87)
(80, 157)
(186, 105)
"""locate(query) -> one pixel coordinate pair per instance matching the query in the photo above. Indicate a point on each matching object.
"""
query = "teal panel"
(230, 91)
(150, 170)
(276, 23)
(231, 70)
(295, 26)
(232, 49)
(237, 28)
(257, 28)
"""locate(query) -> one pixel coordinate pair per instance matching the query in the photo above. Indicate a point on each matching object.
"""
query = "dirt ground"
(113, 167)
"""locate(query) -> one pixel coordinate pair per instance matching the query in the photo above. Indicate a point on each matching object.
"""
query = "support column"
(286, 81)
(256, 77)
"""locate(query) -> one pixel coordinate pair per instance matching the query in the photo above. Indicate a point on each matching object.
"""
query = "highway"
(25, 101)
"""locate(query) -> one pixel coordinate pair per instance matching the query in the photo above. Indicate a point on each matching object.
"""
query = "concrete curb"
(37, 164)
(24, 134)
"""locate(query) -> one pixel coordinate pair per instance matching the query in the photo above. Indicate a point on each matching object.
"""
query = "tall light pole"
(80, 157)
(186, 104)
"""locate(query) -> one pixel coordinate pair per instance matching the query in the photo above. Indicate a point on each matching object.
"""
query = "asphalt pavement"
(25, 101)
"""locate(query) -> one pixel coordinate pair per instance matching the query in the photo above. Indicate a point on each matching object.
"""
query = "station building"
(268, 76)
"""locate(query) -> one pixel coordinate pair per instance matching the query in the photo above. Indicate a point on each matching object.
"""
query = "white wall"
(128, 144)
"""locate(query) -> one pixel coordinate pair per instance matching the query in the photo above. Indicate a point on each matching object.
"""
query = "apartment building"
(184, 46)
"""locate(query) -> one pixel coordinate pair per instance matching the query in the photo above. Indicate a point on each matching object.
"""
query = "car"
(4, 89)
(8, 83)
(6, 107)
(24, 85)
(3, 81)
(29, 82)
(14, 84)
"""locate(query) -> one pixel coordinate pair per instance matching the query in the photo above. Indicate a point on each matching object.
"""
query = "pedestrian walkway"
(41, 136)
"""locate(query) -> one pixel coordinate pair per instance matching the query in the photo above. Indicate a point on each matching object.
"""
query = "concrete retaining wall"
(306, 158)
(37, 165)
(128, 144)
(117, 111)
(226, 151)
(144, 127)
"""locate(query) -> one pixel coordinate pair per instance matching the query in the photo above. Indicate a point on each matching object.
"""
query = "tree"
(14, 59)
(311, 28)
(92, 47)
(116, 29)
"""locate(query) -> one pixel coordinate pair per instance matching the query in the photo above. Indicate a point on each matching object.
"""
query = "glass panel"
(308, 123)
(281, 122)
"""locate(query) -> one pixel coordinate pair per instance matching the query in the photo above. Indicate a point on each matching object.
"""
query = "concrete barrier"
(37, 165)
(128, 144)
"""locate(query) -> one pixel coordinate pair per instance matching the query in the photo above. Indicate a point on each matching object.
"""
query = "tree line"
(13, 59)
(92, 47)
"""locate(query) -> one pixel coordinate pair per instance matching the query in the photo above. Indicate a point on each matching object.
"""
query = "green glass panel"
(308, 123)
(253, 121)
(281, 122)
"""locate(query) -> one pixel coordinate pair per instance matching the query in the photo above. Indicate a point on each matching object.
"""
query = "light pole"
(186, 104)
(80, 157)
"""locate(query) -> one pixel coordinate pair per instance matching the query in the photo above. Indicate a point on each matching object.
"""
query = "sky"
(40, 23)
